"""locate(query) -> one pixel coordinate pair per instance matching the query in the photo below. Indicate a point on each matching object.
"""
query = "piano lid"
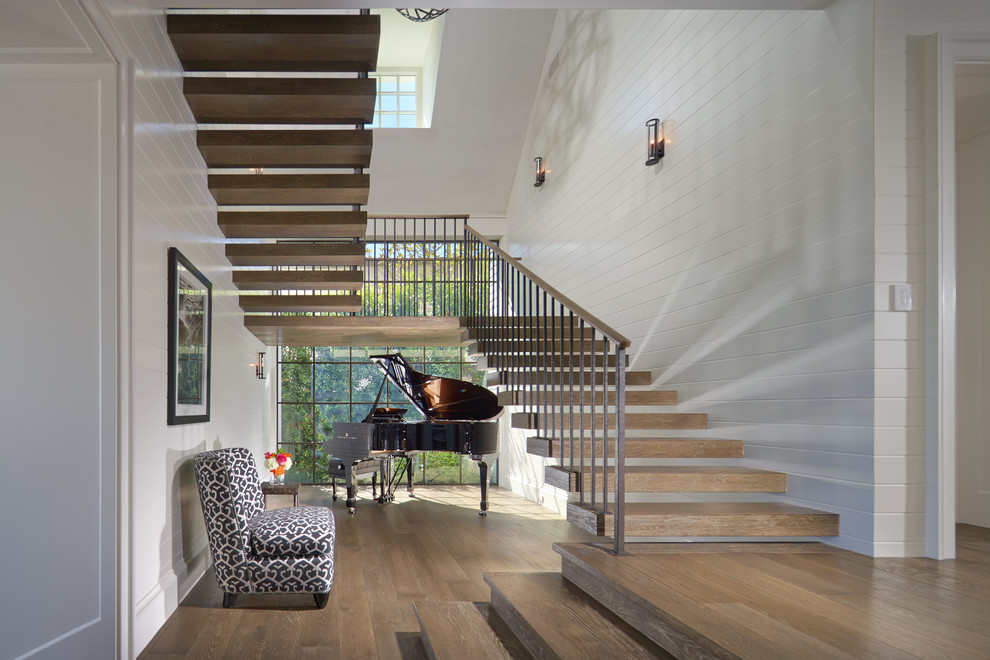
(435, 397)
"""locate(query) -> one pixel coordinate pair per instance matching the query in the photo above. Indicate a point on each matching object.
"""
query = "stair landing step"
(700, 519)
(649, 421)
(553, 619)
(457, 630)
(641, 447)
(554, 398)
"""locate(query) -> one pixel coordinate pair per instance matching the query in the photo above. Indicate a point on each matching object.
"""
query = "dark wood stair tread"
(295, 254)
(273, 42)
(281, 100)
(555, 620)
(293, 224)
(311, 303)
(266, 189)
(455, 630)
(285, 148)
(299, 280)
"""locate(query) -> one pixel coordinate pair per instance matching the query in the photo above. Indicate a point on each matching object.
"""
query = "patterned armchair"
(257, 551)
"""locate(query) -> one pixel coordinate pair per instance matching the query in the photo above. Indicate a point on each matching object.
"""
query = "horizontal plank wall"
(742, 265)
(171, 206)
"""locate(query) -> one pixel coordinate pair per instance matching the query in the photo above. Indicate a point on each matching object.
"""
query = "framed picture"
(190, 324)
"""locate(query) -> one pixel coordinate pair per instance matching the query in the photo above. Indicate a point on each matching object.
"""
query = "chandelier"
(421, 15)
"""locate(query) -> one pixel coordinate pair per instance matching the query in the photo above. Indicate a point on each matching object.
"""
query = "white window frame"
(418, 113)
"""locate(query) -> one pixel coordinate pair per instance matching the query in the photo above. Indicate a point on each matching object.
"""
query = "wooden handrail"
(596, 323)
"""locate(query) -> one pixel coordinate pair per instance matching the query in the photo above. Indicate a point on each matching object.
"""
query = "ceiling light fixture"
(421, 15)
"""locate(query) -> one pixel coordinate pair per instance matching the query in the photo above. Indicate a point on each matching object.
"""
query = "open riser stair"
(290, 199)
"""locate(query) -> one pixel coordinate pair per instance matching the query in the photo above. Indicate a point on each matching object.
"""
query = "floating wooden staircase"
(289, 199)
(700, 492)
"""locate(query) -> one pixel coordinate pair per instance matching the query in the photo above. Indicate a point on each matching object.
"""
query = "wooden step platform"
(356, 330)
(700, 519)
(655, 421)
(293, 224)
(299, 280)
(539, 345)
(574, 397)
(552, 619)
(285, 148)
(274, 42)
(496, 378)
(455, 630)
(276, 189)
(640, 447)
(318, 303)
(541, 361)
(678, 479)
(281, 100)
(295, 254)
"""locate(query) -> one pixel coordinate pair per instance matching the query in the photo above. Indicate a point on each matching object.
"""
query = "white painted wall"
(742, 266)
(973, 172)
(58, 301)
(901, 27)
(168, 205)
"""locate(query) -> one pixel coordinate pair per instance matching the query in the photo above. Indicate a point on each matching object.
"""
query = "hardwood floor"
(760, 600)
(434, 547)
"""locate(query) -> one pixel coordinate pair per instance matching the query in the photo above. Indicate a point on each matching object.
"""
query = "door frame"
(942, 53)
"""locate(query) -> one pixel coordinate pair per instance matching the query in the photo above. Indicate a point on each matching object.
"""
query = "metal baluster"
(620, 448)
(605, 350)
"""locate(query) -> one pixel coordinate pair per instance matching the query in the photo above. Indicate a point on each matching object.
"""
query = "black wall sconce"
(654, 143)
(259, 367)
(541, 172)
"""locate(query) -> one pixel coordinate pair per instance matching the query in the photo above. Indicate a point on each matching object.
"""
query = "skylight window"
(398, 102)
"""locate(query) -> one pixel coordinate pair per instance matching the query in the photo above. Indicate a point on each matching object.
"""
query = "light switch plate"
(902, 297)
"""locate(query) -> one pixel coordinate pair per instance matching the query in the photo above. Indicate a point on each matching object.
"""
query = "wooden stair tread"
(527, 345)
(730, 519)
(674, 421)
(281, 100)
(295, 280)
(271, 42)
(457, 630)
(295, 254)
(293, 224)
(540, 361)
(285, 148)
(356, 330)
(555, 397)
(495, 378)
(317, 303)
(265, 189)
(672, 479)
(642, 447)
(554, 620)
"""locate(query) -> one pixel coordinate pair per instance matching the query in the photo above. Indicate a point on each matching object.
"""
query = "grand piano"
(459, 418)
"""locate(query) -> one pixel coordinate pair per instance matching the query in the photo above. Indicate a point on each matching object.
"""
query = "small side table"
(268, 488)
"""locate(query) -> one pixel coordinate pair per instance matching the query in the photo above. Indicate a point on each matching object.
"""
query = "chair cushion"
(298, 531)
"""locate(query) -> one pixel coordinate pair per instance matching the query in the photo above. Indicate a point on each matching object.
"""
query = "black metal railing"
(562, 366)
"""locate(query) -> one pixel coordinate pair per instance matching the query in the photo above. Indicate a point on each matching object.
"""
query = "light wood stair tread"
(455, 630)
(495, 378)
(273, 42)
(293, 224)
(642, 447)
(271, 189)
(311, 303)
(281, 100)
(555, 397)
(674, 421)
(285, 148)
(729, 519)
(554, 620)
(356, 330)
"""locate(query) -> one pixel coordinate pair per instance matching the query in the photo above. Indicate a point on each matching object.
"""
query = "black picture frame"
(190, 327)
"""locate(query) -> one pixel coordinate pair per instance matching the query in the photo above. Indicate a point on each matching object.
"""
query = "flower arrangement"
(277, 464)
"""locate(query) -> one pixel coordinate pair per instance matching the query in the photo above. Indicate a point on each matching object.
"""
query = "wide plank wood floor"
(434, 547)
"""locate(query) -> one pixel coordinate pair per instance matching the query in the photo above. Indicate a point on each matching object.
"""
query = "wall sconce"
(259, 367)
(654, 143)
(541, 172)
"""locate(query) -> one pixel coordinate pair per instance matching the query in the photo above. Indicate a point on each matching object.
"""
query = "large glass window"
(322, 385)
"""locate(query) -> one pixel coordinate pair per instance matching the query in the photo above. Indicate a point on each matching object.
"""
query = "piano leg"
(409, 475)
(482, 461)
(351, 489)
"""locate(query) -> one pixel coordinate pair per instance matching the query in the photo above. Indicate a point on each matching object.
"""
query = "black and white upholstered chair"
(256, 551)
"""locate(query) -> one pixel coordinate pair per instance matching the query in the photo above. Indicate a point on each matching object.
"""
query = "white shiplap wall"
(171, 206)
(901, 28)
(741, 267)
